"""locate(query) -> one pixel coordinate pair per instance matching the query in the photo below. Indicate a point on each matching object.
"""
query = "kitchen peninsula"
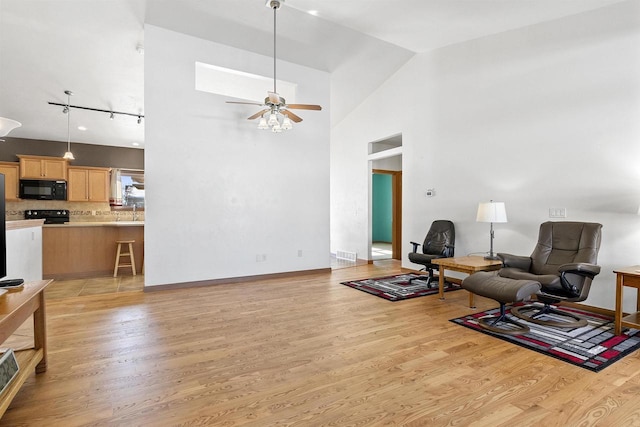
(87, 249)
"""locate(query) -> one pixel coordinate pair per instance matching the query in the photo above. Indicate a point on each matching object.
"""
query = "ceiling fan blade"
(258, 114)
(274, 98)
(292, 116)
(246, 103)
(304, 107)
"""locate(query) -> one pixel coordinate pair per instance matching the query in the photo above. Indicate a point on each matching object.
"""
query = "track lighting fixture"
(111, 113)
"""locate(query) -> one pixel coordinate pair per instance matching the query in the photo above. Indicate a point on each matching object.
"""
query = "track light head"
(111, 115)
(139, 119)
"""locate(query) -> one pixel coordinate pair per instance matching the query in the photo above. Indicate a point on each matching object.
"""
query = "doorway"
(385, 195)
(386, 213)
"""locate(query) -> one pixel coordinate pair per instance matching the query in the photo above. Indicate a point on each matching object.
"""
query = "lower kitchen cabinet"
(77, 250)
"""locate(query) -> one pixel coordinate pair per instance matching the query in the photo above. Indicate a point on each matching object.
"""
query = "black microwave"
(43, 190)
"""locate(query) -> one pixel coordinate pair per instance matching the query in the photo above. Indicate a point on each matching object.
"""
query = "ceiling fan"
(279, 114)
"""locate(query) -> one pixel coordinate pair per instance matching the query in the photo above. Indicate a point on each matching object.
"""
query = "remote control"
(11, 283)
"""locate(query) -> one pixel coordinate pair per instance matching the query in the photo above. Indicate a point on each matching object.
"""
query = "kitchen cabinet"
(41, 167)
(87, 184)
(11, 172)
(80, 250)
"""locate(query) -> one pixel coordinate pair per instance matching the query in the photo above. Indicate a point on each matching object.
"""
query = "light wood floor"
(61, 289)
(304, 352)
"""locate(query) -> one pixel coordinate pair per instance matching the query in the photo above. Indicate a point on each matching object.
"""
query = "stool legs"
(119, 253)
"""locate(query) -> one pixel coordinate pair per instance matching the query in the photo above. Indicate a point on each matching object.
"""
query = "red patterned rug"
(592, 347)
(396, 288)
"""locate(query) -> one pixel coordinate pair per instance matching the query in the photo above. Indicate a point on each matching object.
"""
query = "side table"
(629, 277)
(464, 264)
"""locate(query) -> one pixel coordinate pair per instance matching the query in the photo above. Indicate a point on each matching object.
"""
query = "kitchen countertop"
(97, 224)
(23, 223)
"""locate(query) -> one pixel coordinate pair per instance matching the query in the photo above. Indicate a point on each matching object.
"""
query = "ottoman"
(504, 291)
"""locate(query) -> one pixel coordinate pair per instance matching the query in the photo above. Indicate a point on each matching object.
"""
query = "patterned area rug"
(396, 288)
(592, 347)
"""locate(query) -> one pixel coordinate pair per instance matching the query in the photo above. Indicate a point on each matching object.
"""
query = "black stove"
(51, 216)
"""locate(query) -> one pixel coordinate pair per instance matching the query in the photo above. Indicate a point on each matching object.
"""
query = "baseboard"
(83, 275)
(231, 280)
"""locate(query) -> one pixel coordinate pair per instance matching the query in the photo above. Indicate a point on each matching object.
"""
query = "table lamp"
(491, 212)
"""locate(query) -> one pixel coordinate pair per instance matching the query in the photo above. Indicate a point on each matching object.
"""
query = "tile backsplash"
(78, 211)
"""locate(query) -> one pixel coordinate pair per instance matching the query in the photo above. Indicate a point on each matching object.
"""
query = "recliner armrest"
(515, 261)
(580, 268)
(415, 246)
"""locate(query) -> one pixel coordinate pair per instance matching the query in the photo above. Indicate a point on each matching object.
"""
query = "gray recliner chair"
(564, 263)
(439, 243)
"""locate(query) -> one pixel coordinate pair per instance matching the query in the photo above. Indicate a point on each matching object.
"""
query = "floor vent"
(349, 256)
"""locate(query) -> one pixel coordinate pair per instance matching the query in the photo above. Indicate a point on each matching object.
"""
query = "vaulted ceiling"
(92, 48)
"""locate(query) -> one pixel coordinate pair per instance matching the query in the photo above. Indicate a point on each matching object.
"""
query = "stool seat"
(504, 291)
(119, 253)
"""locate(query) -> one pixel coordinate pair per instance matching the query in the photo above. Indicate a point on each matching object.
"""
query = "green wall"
(382, 208)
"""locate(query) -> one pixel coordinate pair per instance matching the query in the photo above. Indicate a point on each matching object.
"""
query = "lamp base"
(491, 257)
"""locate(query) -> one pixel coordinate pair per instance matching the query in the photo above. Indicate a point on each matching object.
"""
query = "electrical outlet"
(430, 192)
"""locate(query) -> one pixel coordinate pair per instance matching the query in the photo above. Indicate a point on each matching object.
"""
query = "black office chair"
(439, 243)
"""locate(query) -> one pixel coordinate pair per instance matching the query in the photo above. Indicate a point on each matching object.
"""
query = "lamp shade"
(491, 212)
(7, 125)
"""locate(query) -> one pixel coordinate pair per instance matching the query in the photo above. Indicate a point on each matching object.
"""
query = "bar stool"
(119, 253)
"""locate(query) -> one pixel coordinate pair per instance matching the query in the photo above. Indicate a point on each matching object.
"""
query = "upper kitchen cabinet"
(11, 172)
(88, 184)
(41, 167)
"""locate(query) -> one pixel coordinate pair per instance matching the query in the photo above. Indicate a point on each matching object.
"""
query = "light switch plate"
(557, 212)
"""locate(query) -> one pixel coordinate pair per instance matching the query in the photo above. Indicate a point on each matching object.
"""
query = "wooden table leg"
(40, 334)
(471, 302)
(441, 282)
(618, 318)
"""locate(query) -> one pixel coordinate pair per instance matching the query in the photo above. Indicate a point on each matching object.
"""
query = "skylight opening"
(240, 84)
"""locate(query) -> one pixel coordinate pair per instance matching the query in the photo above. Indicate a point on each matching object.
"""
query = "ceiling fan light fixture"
(273, 119)
(286, 123)
(263, 124)
(278, 120)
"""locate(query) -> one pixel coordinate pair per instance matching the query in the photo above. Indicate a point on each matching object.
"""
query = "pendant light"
(68, 155)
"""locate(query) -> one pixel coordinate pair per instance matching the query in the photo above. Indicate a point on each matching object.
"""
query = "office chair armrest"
(448, 251)
(580, 268)
(415, 246)
(515, 261)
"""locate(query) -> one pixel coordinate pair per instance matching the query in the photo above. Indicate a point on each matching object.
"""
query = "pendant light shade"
(68, 155)
(7, 125)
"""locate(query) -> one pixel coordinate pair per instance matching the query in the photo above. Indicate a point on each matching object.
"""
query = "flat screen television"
(3, 235)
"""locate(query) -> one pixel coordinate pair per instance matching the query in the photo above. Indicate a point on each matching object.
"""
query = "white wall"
(221, 192)
(541, 117)
(24, 253)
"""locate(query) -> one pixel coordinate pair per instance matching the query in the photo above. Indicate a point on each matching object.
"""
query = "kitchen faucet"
(135, 214)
